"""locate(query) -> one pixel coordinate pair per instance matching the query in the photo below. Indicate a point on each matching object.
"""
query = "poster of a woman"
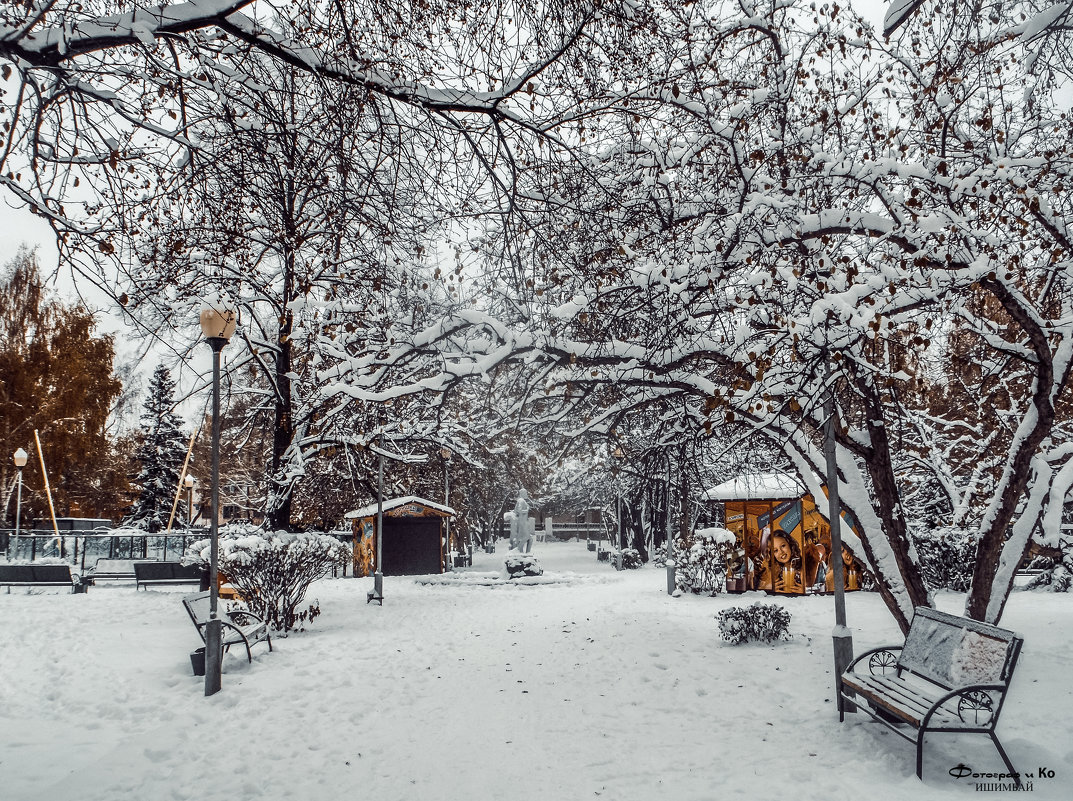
(782, 571)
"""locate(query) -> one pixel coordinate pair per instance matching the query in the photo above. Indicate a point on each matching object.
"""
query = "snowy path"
(600, 686)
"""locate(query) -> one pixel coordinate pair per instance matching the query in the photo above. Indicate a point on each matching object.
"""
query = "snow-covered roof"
(393, 503)
(757, 487)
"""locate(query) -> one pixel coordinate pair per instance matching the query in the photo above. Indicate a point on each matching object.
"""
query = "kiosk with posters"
(415, 537)
(784, 543)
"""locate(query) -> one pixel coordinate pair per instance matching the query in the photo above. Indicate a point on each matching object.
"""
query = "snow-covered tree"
(161, 451)
(798, 211)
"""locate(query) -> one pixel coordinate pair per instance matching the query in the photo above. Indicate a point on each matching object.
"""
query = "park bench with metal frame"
(148, 574)
(951, 675)
(234, 624)
(37, 576)
(118, 570)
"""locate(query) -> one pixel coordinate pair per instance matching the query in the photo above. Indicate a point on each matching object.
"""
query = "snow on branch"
(57, 44)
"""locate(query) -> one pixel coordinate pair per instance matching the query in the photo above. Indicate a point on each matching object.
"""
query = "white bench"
(235, 627)
(114, 570)
(951, 675)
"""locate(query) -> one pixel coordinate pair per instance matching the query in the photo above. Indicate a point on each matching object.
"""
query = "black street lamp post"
(21, 458)
(189, 483)
(218, 321)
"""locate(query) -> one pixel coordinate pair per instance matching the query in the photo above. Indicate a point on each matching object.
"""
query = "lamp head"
(189, 481)
(20, 458)
(218, 316)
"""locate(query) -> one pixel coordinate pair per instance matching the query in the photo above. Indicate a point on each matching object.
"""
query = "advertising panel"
(784, 548)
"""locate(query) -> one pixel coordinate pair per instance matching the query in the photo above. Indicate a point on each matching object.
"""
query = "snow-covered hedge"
(631, 559)
(757, 623)
(702, 566)
(273, 570)
(946, 556)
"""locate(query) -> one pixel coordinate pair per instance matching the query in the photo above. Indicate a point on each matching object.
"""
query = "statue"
(522, 528)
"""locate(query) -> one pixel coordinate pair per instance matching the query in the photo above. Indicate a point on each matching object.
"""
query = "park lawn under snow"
(597, 685)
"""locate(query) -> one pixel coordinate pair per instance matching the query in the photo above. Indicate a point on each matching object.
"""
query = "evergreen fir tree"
(161, 449)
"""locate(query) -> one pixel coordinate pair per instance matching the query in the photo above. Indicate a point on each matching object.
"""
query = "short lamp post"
(218, 320)
(20, 462)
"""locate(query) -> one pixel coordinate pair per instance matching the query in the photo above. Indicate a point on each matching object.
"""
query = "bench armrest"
(890, 649)
(234, 613)
(975, 697)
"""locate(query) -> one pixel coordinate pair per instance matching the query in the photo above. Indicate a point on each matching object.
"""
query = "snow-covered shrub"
(273, 570)
(946, 556)
(631, 559)
(523, 565)
(757, 623)
(701, 567)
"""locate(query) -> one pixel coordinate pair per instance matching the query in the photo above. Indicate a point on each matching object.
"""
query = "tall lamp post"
(842, 635)
(189, 482)
(218, 320)
(21, 458)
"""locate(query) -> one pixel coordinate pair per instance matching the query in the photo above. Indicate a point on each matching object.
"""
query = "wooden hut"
(784, 541)
(416, 534)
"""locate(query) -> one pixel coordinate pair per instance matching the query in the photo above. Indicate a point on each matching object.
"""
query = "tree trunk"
(280, 497)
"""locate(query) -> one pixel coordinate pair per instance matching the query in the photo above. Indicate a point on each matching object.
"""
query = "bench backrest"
(29, 574)
(163, 571)
(181, 571)
(955, 651)
(105, 565)
(148, 571)
(197, 606)
(52, 573)
(17, 573)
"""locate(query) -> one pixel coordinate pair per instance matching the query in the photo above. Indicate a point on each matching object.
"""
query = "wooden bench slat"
(895, 695)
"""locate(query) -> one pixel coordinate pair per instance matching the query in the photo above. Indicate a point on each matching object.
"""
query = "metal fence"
(84, 548)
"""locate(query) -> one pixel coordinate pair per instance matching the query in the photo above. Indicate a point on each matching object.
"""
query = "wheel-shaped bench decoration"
(976, 707)
(882, 662)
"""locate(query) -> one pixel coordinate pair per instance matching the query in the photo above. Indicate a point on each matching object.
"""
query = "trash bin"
(197, 661)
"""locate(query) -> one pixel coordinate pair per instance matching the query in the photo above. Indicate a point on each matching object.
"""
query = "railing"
(576, 531)
(82, 548)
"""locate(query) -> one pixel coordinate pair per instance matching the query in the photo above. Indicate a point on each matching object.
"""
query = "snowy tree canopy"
(712, 214)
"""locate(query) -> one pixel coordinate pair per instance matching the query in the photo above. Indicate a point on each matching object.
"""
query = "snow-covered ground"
(596, 685)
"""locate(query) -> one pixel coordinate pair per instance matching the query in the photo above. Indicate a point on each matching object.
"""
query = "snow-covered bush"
(631, 559)
(757, 623)
(701, 567)
(273, 570)
(523, 565)
(946, 556)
